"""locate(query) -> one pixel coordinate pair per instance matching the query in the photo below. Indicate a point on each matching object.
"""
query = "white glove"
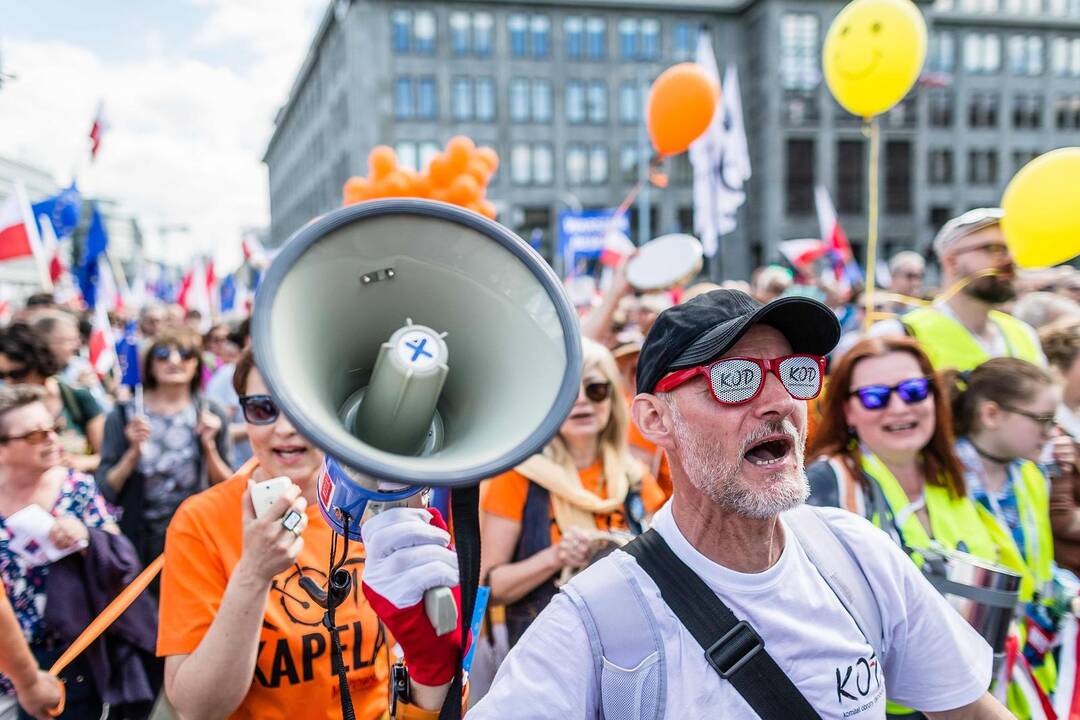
(406, 554)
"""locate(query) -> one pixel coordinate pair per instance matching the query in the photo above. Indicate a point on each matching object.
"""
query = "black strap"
(465, 512)
(732, 646)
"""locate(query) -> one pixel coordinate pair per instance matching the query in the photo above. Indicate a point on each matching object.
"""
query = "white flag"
(721, 157)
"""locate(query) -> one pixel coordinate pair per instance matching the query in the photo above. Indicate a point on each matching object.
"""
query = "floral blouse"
(24, 585)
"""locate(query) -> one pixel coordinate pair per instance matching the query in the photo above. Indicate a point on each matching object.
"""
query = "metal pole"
(644, 198)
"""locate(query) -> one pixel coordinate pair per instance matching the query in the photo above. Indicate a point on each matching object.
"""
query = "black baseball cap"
(704, 328)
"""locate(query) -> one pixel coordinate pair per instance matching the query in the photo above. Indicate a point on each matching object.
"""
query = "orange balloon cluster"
(458, 175)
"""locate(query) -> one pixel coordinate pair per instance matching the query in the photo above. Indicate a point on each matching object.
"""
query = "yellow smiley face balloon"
(873, 53)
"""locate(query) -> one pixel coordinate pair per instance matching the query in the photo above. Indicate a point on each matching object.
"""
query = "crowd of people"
(950, 420)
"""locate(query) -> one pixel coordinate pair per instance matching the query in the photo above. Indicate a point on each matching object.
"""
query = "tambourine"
(668, 261)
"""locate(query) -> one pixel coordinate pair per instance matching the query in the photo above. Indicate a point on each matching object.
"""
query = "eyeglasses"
(994, 250)
(164, 352)
(876, 397)
(36, 437)
(259, 409)
(15, 375)
(738, 380)
(598, 392)
(1045, 422)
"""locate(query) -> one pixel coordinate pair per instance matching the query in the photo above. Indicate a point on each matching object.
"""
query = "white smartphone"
(263, 494)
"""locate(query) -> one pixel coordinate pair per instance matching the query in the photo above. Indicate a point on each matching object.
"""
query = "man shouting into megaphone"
(740, 598)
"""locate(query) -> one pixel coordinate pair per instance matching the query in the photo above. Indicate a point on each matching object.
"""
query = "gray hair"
(1038, 309)
(46, 321)
(905, 258)
(13, 397)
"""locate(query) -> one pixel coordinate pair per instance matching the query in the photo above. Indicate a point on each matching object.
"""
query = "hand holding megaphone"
(409, 557)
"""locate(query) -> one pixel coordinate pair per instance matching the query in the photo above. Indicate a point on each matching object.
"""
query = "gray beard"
(720, 479)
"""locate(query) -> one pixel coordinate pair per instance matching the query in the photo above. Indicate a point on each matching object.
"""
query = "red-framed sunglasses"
(738, 380)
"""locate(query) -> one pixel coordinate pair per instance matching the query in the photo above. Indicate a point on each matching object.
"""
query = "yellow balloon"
(873, 53)
(1042, 215)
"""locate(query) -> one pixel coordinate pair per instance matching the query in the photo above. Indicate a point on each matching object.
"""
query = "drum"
(668, 261)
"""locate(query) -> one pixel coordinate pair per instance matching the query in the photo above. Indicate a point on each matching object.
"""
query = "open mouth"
(900, 427)
(769, 451)
(288, 453)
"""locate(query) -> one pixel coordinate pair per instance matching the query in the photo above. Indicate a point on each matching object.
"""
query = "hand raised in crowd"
(68, 532)
(40, 696)
(620, 282)
(137, 431)
(269, 547)
(1063, 450)
(573, 550)
(208, 427)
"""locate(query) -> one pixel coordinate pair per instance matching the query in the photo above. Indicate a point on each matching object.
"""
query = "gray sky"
(189, 87)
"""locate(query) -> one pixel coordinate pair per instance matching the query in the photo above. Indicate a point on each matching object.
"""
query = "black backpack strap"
(732, 646)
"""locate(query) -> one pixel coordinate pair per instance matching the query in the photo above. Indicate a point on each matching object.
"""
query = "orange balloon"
(421, 186)
(460, 150)
(382, 160)
(487, 209)
(681, 106)
(396, 184)
(357, 189)
(440, 171)
(464, 190)
(440, 194)
(489, 157)
(478, 169)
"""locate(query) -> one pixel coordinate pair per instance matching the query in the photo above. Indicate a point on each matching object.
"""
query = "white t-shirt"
(934, 660)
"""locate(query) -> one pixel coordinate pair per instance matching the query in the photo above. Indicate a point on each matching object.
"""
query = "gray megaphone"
(418, 344)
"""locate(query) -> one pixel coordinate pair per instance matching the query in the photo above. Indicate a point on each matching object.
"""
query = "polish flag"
(836, 243)
(18, 233)
(196, 289)
(801, 253)
(617, 247)
(102, 343)
(50, 248)
(97, 130)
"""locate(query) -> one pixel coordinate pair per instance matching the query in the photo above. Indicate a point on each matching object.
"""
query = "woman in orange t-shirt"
(540, 517)
(240, 637)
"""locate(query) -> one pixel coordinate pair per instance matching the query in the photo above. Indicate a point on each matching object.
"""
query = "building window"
(597, 102)
(518, 26)
(427, 98)
(460, 33)
(461, 98)
(982, 167)
(940, 106)
(483, 25)
(800, 177)
(598, 164)
(521, 164)
(1065, 57)
(628, 37)
(485, 99)
(850, 171)
(982, 53)
(575, 101)
(543, 164)
(541, 36)
(531, 164)
(400, 31)
(1027, 111)
(1023, 7)
(1026, 55)
(406, 155)
(428, 150)
(629, 105)
(519, 100)
(939, 166)
(1064, 8)
(576, 164)
(574, 32)
(799, 56)
(979, 6)
(596, 30)
(424, 32)
(682, 41)
(942, 55)
(983, 109)
(403, 98)
(650, 39)
(800, 108)
(541, 101)
(938, 216)
(898, 176)
(1067, 112)
(682, 172)
(1020, 158)
(628, 159)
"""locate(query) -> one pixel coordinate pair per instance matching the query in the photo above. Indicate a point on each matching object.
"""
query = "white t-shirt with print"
(933, 659)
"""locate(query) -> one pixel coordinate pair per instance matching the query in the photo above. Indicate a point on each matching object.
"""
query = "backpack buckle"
(738, 645)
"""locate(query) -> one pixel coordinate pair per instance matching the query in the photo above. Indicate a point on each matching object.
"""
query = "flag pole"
(30, 223)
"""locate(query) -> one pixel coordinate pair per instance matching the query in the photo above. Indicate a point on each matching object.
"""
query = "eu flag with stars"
(63, 211)
(127, 353)
(87, 271)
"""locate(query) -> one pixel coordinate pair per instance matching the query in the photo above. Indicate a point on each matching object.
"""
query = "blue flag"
(127, 352)
(227, 293)
(87, 271)
(63, 211)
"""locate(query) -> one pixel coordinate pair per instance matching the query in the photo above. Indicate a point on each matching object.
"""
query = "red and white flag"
(102, 343)
(196, 290)
(18, 233)
(254, 252)
(97, 130)
(617, 247)
(50, 249)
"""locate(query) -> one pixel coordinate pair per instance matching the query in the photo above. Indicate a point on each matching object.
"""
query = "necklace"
(988, 456)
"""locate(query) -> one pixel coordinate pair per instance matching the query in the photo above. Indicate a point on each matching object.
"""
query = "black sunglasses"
(598, 391)
(259, 409)
(15, 375)
(875, 397)
(164, 352)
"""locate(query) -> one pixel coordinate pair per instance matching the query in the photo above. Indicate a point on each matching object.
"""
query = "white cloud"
(185, 137)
